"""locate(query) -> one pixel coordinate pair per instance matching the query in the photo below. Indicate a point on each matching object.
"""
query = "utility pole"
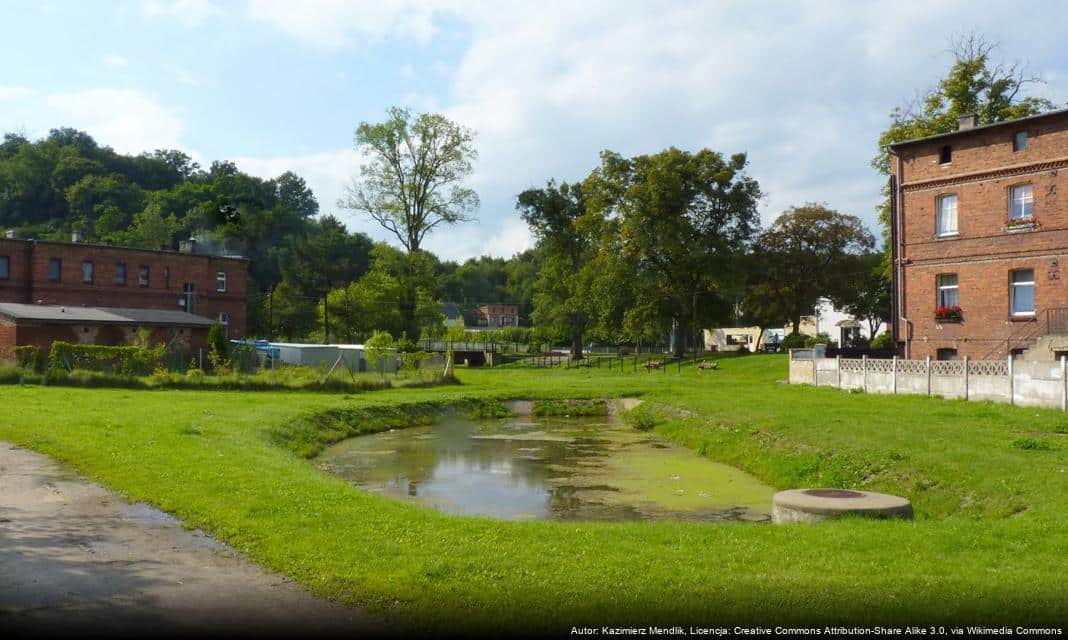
(270, 313)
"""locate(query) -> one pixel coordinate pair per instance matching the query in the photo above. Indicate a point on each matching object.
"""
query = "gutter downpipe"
(897, 210)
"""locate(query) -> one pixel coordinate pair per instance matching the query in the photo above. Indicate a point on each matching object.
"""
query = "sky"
(802, 87)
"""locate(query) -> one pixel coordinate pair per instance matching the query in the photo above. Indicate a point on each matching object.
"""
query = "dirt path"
(75, 558)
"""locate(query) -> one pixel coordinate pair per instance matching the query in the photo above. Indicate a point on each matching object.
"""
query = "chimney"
(967, 121)
(76, 236)
(187, 246)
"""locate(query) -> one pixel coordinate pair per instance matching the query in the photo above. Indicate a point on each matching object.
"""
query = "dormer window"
(945, 154)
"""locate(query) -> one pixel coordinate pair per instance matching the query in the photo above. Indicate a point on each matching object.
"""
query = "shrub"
(883, 341)
(820, 338)
(793, 341)
(218, 346)
(125, 361)
(30, 357)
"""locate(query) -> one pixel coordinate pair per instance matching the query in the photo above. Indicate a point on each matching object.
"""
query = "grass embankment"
(988, 547)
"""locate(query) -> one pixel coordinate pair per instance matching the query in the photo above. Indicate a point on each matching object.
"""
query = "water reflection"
(578, 468)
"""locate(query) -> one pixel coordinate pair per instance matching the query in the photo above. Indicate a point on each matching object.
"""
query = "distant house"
(842, 328)
(496, 315)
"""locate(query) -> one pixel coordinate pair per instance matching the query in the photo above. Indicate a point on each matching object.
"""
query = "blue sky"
(275, 85)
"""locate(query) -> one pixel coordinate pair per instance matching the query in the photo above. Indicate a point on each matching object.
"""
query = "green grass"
(988, 545)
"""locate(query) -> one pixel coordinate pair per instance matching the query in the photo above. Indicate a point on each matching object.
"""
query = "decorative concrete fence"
(1037, 384)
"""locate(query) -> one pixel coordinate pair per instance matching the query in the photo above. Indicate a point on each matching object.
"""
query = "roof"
(981, 127)
(56, 314)
(451, 310)
(96, 245)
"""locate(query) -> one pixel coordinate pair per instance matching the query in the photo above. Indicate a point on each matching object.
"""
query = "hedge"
(127, 361)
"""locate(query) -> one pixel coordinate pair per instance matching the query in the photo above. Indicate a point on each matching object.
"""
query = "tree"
(151, 229)
(557, 218)
(868, 296)
(413, 182)
(683, 220)
(973, 84)
(810, 252)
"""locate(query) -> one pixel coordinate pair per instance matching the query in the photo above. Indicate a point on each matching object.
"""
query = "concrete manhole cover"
(813, 505)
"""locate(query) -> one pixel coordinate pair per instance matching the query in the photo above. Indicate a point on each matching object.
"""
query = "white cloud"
(803, 88)
(188, 13)
(335, 24)
(115, 60)
(15, 93)
(127, 120)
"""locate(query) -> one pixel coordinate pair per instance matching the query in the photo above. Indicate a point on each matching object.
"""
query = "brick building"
(104, 288)
(496, 315)
(979, 236)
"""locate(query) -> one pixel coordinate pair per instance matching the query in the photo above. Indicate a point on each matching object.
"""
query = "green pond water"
(547, 468)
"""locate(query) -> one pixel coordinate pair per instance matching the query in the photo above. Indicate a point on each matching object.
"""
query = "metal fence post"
(839, 360)
(1064, 383)
(928, 375)
(894, 365)
(864, 364)
(1012, 382)
(815, 370)
(967, 379)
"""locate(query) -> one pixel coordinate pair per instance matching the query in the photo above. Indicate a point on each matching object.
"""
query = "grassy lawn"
(989, 484)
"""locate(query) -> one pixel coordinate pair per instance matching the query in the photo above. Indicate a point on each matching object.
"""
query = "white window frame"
(1020, 212)
(88, 268)
(941, 227)
(220, 281)
(943, 288)
(1013, 285)
(144, 275)
(224, 320)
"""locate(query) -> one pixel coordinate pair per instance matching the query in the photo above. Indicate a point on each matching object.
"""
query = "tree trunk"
(797, 325)
(576, 345)
(756, 345)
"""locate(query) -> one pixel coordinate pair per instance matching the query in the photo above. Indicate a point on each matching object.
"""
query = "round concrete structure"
(813, 505)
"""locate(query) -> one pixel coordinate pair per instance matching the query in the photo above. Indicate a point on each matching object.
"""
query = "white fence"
(1038, 384)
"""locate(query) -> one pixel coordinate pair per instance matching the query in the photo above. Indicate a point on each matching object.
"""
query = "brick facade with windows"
(54, 273)
(497, 315)
(993, 220)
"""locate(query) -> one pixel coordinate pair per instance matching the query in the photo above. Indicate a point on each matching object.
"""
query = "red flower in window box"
(1021, 223)
(949, 314)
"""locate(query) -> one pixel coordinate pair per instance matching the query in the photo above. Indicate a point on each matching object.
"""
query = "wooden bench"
(654, 364)
(708, 364)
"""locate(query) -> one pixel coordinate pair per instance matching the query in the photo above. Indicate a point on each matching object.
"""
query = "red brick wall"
(105, 292)
(7, 340)
(982, 170)
(16, 288)
(44, 335)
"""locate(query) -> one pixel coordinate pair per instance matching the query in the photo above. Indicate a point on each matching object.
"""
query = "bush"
(821, 338)
(883, 341)
(125, 361)
(30, 357)
(793, 341)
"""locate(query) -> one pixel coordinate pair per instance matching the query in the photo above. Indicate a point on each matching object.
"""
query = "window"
(189, 297)
(1022, 292)
(120, 273)
(166, 277)
(220, 281)
(1019, 141)
(1021, 202)
(945, 155)
(946, 217)
(87, 272)
(142, 276)
(55, 269)
(5, 267)
(224, 320)
(947, 290)
(947, 354)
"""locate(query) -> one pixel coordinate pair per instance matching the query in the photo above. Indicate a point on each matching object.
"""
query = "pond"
(547, 468)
